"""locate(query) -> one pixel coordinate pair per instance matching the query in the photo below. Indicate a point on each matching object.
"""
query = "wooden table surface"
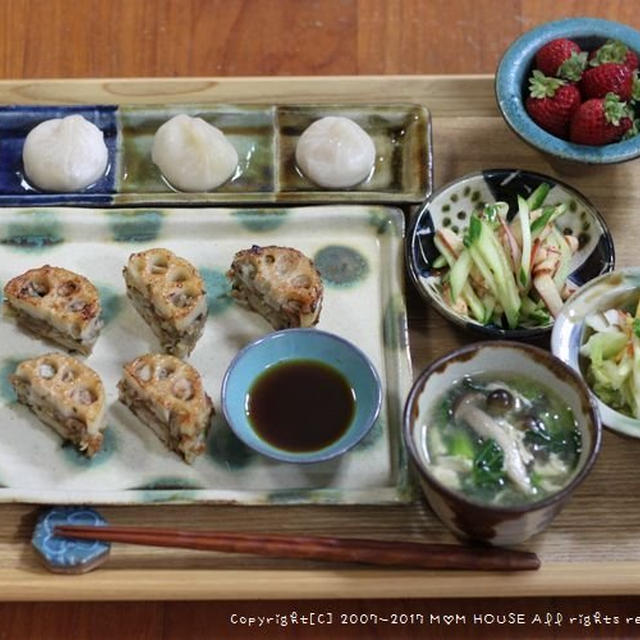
(139, 38)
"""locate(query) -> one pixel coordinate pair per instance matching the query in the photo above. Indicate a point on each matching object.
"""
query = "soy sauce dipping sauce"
(300, 405)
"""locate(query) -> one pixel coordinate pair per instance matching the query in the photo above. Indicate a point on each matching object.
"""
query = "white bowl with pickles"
(500, 250)
(598, 334)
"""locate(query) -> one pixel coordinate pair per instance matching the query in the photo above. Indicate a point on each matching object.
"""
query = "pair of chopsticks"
(373, 552)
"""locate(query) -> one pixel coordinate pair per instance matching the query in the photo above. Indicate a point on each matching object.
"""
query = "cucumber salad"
(508, 272)
(613, 355)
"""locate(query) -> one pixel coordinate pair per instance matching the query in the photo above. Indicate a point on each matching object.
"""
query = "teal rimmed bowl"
(512, 79)
(309, 345)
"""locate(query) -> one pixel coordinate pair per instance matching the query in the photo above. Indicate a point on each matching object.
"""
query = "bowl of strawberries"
(570, 88)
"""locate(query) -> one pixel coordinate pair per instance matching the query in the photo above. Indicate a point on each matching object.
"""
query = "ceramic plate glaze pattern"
(264, 137)
(451, 207)
(358, 250)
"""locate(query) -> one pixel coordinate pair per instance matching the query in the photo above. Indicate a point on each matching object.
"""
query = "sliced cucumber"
(538, 196)
(489, 303)
(474, 303)
(444, 250)
(489, 255)
(460, 274)
(564, 268)
(541, 222)
(524, 276)
(440, 262)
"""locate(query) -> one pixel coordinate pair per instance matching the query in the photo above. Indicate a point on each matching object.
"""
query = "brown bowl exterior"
(472, 520)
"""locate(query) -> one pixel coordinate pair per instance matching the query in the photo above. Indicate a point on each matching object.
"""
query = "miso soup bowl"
(471, 519)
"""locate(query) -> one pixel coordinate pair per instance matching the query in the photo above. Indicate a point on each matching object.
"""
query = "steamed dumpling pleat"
(335, 152)
(64, 154)
(192, 154)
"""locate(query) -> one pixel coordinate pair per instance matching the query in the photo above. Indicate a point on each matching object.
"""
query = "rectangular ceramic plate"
(357, 249)
(264, 136)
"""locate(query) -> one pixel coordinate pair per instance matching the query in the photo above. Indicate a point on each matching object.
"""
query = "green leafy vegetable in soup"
(507, 442)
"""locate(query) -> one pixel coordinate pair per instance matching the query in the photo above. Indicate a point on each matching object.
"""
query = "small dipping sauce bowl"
(470, 518)
(260, 369)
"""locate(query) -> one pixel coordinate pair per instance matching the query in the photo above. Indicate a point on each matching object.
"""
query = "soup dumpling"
(64, 154)
(192, 154)
(335, 152)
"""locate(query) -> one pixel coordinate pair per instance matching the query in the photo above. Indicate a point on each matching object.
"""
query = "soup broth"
(506, 441)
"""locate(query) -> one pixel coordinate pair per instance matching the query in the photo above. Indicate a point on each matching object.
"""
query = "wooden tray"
(592, 546)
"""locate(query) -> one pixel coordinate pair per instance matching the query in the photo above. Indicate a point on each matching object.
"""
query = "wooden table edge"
(438, 92)
(241, 79)
(562, 579)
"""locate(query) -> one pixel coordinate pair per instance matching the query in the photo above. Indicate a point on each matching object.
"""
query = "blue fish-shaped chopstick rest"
(65, 555)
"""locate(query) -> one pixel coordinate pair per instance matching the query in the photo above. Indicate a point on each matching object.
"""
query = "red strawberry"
(609, 77)
(614, 51)
(631, 60)
(563, 58)
(551, 103)
(600, 121)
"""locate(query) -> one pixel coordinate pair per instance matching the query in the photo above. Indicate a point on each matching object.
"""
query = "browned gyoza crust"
(167, 395)
(279, 283)
(66, 395)
(57, 304)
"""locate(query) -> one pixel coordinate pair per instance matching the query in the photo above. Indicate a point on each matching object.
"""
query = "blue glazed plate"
(451, 205)
(512, 79)
(613, 290)
(357, 249)
(15, 124)
(264, 136)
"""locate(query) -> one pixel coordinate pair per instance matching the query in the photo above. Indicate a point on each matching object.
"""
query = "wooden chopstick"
(375, 552)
